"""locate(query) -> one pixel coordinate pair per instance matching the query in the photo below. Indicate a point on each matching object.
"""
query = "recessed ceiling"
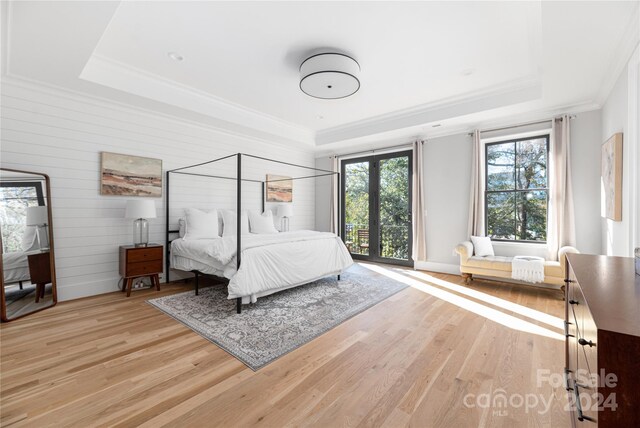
(422, 62)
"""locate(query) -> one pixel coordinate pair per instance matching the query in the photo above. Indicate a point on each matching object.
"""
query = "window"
(516, 192)
(16, 197)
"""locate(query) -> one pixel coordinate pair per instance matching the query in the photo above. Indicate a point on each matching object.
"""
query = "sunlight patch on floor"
(466, 304)
(487, 298)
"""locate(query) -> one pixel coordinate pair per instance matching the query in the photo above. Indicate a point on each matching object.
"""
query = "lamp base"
(284, 224)
(140, 232)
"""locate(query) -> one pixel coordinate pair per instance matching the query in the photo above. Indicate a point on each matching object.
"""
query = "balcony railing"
(394, 240)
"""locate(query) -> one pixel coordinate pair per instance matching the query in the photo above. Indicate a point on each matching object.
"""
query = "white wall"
(323, 196)
(585, 169)
(447, 180)
(617, 235)
(62, 134)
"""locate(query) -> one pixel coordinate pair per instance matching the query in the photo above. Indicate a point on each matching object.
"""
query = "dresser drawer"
(144, 254)
(144, 268)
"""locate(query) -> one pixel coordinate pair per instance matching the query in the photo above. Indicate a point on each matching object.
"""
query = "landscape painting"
(612, 177)
(279, 188)
(125, 175)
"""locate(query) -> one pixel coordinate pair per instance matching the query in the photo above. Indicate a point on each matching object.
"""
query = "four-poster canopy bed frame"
(238, 179)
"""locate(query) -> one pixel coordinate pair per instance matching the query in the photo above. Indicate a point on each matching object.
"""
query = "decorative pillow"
(229, 221)
(200, 224)
(262, 223)
(482, 246)
(29, 239)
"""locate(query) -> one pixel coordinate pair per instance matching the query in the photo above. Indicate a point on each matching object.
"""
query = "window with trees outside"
(516, 192)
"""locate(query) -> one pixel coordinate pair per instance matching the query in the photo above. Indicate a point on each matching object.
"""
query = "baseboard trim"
(88, 289)
(438, 267)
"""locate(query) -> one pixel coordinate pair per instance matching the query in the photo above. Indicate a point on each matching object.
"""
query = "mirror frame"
(52, 257)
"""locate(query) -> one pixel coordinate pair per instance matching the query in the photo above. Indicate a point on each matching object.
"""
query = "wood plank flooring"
(413, 360)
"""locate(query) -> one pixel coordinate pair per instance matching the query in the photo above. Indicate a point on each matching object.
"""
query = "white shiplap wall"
(61, 134)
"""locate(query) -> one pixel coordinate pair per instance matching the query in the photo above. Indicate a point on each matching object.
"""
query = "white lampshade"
(285, 210)
(37, 216)
(140, 208)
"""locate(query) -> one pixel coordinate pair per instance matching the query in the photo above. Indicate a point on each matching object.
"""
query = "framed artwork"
(612, 177)
(279, 188)
(125, 175)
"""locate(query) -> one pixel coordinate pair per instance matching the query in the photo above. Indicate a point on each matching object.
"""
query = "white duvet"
(16, 266)
(269, 263)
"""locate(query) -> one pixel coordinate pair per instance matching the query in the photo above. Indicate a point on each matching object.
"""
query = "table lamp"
(141, 210)
(285, 211)
(39, 217)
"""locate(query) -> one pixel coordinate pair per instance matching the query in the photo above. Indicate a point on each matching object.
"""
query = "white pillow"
(482, 246)
(200, 224)
(262, 223)
(229, 221)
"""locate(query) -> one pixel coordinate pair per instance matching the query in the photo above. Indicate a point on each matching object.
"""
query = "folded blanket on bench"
(527, 268)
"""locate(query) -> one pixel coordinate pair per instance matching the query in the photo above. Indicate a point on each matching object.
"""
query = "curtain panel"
(419, 250)
(560, 219)
(476, 198)
(334, 204)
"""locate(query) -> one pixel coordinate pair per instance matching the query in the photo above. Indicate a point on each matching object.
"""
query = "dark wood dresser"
(602, 329)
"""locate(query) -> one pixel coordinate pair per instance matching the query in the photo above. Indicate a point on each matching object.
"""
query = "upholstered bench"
(500, 267)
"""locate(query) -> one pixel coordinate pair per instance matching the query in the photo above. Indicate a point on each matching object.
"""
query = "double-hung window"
(516, 192)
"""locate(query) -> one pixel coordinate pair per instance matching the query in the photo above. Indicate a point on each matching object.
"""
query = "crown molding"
(378, 142)
(117, 75)
(61, 92)
(620, 56)
(515, 92)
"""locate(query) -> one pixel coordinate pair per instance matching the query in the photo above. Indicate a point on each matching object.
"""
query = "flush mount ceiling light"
(329, 76)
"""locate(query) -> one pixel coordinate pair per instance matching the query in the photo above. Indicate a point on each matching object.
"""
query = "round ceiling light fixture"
(329, 76)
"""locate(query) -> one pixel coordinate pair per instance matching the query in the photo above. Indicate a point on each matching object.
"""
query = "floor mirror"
(28, 280)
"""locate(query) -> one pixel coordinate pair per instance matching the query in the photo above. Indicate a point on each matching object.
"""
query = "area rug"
(279, 323)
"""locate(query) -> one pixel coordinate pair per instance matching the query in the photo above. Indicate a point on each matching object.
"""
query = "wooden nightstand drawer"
(144, 268)
(144, 254)
(140, 261)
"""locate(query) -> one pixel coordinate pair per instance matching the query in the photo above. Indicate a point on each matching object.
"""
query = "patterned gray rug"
(279, 323)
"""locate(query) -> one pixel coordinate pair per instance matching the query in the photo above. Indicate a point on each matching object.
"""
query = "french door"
(376, 207)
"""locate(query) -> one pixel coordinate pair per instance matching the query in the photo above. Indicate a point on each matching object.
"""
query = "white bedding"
(269, 263)
(16, 266)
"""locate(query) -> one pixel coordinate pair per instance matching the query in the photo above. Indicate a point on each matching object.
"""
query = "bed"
(16, 266)
(253, 265)
(270, 263)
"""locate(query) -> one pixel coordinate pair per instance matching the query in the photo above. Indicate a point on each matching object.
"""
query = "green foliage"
(517, 190)
(394, 203)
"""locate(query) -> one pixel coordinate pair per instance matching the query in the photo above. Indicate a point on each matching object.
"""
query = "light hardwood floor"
(415, 359)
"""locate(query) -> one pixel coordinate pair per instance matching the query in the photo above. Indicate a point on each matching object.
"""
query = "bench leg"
(467, 278)
(239, 305)
(338, 277)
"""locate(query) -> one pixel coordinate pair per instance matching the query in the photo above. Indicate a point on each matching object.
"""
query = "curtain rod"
(406, 145)
(573, 116)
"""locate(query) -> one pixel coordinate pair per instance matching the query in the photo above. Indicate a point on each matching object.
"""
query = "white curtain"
(419, 250)
(560, 221)
(334, 204)
(476, 199)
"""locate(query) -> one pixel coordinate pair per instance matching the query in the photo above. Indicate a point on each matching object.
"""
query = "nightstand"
(136, 262)
(39, 272)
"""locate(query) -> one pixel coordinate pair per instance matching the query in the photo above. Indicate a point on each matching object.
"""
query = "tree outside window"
(516, 193)
(15, 198)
